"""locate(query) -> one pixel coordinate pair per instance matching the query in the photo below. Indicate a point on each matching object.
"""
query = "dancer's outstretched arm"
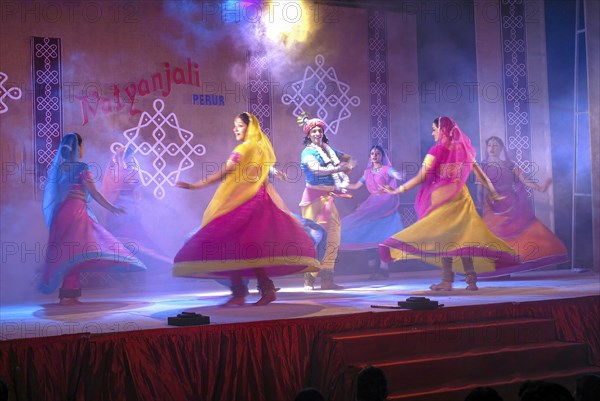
(355, 185)
(487, 183)
(98, 197)
(398, 175)
(528, 182)
(278, 174)
(313, 165)
(410, 184)
(211, 179)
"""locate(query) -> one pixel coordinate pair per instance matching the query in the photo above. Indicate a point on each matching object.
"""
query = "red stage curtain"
(269, 360)
(576, 320)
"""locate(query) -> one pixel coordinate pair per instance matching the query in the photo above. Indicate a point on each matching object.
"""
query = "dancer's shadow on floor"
(246, 313)
(55, 311)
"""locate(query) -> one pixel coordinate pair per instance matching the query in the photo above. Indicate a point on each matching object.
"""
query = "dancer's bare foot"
(234, 301)
(330, 285)
(267, 297)
(309, 282)
(69, 301)
(443, 286)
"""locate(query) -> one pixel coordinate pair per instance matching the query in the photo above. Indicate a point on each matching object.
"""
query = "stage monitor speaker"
(188, 319)
(419, 303)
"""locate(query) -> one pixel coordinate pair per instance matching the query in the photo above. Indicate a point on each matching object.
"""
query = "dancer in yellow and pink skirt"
(246, 230)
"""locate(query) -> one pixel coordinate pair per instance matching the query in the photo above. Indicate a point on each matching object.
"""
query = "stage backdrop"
(167, 78)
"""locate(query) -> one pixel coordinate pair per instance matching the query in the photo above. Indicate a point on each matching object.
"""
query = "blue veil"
(62, 174)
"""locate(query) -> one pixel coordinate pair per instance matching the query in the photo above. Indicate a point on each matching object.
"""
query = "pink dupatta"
(451, 161)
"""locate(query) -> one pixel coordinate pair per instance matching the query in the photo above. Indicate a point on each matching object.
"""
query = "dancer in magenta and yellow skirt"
(246, 230)
(449, 232)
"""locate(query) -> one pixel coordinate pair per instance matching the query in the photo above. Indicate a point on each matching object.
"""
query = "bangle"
(402, 189)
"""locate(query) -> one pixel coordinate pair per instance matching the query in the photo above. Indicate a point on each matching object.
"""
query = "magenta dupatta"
(373, 182)
(453, 158)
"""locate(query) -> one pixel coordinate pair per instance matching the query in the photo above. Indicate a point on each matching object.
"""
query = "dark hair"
(245, 118)
(483, 394)
(528, 385)
(309, 394)
(307, 139)
(371, 385)
(436, 121)
(495, 138)
(379, 148)
(67, 153)
(540, 390)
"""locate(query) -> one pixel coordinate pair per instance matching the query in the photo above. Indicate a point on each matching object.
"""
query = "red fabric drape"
(269, 360)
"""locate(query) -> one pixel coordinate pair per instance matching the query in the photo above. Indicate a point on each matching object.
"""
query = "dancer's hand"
(544, 187)
(388, 189)
(345, 167)
(400, 176)
(280, 174)
(118, 210)
(186, 185)
(495, 197)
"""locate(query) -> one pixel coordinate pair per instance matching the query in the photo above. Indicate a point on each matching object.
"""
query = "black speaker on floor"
(188, 319)
(419, 303)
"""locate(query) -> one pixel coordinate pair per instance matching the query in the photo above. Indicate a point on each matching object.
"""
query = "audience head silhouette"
(483, 394)
(544, 391)
(309, 394)
(371, 385)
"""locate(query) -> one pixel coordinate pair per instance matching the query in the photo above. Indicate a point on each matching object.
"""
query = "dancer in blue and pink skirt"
(77, 242)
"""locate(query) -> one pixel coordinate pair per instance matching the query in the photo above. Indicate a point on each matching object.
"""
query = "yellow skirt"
(454, 230)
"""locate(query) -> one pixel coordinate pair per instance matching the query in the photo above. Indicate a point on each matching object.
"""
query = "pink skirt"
(256, 234)
(77, 243)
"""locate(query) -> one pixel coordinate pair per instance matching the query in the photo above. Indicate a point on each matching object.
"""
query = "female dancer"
(121, 184)
(449, 231)
(244, 231)
(513, 218)
(77, 242)
(377, 218)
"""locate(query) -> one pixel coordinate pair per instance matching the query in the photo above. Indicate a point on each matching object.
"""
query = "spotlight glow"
(286, 22)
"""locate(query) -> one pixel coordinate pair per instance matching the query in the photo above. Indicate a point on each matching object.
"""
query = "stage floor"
(147, 304)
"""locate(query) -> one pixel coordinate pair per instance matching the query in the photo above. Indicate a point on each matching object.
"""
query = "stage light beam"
(286, 22)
